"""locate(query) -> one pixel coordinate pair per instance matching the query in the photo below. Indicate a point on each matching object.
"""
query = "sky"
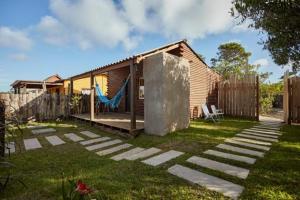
(39, 38)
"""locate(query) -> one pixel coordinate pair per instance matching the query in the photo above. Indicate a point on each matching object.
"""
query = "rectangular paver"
(144, 154)
(10, 147)
(102, 145)
(230, 156)
(32, 143)
(54, 140)
(36, 126)
(73, 137)
(113, 149)
(227, 188)
(240, 150)
(267, 127)
(45, 130)
(96, 140)
(126, 154)
(256, 146)
(89, 134)
(260, 134)
(252, 141)
(162, 158)
(219, 166)
(257, 137)
(269, 132)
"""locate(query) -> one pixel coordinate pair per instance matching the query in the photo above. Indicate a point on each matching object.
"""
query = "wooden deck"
(118, 121)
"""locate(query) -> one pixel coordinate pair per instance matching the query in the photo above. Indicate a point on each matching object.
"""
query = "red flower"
(82, 188)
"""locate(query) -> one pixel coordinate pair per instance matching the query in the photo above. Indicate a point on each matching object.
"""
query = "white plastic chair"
(207, 114)
(217, 112)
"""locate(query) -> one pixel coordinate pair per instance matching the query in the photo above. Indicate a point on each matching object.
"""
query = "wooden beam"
(132, 96)
(289, 101)
(92, 116)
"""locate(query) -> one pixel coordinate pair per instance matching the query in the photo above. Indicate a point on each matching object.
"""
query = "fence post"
(289, 102)
(257, 98)
(2, 128)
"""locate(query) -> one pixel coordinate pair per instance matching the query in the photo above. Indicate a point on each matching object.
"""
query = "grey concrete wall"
(167, 92)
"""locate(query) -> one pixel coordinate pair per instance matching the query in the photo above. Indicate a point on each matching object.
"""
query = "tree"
(232, 58)
(280, 20)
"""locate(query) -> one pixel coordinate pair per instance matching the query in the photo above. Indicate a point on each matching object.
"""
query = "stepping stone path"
(89, 134)
(113, 149)
(218, 166)
(252, 141)
(162, 158)
(240, 150)
(257, 137)
(256, 130)
(10, 147)
(73, 137)
(36, 126)
(92, 141)
(255, 146)
(260, 134)
(144, 154)
(102, 145)
(127, 154)
(54, 140)
(230, 156)
(32, 144)
(45, 130)
(227, 188)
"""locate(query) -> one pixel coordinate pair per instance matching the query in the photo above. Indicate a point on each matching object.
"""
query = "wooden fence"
(40, 106)
(291, 99)
(239, 96)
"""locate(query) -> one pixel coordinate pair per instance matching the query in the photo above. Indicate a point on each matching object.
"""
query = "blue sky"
(39, 38)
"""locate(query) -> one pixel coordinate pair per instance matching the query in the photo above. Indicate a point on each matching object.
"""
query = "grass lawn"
(276, 176)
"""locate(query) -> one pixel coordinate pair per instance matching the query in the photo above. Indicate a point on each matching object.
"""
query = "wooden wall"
(291, 102)
(238, 96)
(41, 106)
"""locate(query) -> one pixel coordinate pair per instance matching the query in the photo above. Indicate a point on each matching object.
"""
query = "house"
(167, 85)
(52, 83)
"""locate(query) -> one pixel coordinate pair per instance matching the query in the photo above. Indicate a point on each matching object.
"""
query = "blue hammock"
(115, 101)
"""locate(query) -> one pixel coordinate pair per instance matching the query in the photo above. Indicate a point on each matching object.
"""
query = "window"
(141, 88)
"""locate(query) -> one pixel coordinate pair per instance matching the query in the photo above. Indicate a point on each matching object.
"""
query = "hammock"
(115, 101)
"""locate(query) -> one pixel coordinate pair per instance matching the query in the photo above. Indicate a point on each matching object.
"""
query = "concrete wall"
(167, 91)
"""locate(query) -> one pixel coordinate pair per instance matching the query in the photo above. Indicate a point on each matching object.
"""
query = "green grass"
(276, 176)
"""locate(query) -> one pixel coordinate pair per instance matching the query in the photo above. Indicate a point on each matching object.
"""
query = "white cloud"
(89, 23)
(18, 57)
(263, 62)
(14, 39)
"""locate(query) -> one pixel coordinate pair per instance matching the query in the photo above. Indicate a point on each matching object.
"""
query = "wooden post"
(2, 129)
(289, 102)
(92, 98)
(71, 87)
(257, 98)
(132, 96)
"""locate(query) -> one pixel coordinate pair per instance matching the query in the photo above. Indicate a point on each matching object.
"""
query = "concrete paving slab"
(113, 149)
(96, 140)
(269, 132)
(45, 130)
(126, 154)
(257, 137)
(36, 126)
(252, 141)
(162, 158)
(73, 137)
(230, 156)
(260, 134)
(32, 143)
(227, 188)
(54, 140)
(10, 147)
(267, 127)
(89, 134)
(102, 145)
(245, 144)
(144, 154)
(240, 150)
(219, 166)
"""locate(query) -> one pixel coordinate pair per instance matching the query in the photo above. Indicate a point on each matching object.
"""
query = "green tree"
(280, 20)
(232, 58)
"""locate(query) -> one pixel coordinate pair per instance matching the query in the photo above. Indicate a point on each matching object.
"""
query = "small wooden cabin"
(167, 85)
